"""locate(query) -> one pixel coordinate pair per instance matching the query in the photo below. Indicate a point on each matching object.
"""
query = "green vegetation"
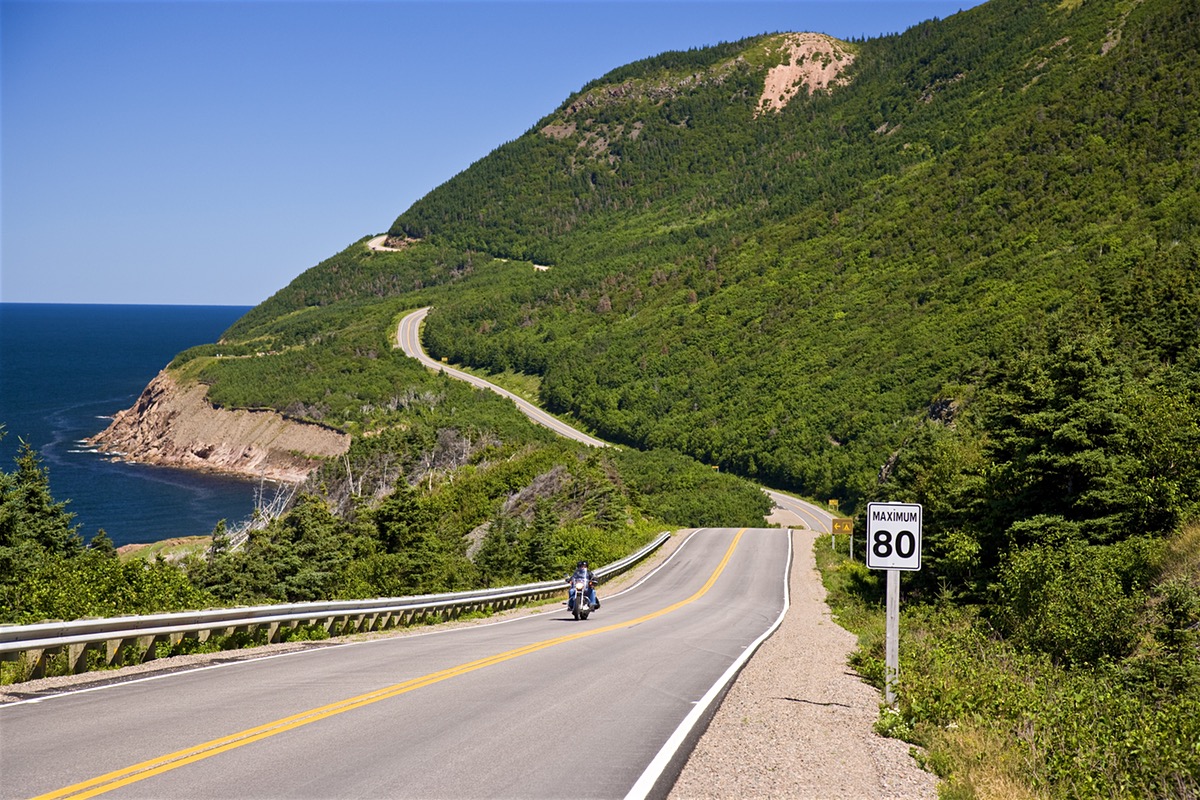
(481, 515)
(969, 278)
(1004, 716)
(47, 573)
(480, 510)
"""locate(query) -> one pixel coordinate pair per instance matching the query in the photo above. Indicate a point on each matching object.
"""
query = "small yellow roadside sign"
(842, 525)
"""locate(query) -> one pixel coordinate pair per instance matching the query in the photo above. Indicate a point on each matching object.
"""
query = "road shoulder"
(798, 722)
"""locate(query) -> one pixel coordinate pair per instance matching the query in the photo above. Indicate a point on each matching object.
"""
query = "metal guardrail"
(96, 643)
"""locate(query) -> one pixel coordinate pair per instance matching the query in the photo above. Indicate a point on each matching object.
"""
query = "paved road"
(526, 708)
(801, 514)
(807, 515)
(409, 336)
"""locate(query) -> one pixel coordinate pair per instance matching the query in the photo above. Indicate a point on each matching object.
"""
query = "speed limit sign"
(894, 536)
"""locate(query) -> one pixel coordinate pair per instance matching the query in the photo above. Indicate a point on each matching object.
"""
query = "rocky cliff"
(176, 426)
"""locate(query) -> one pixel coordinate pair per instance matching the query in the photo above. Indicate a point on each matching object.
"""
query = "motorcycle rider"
(582, 569)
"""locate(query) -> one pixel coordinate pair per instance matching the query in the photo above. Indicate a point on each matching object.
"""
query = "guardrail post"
(37, 663)
(146, 644)
(112, 651)
(77, 657)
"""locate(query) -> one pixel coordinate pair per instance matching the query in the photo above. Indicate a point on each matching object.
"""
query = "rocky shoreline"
(174, 425)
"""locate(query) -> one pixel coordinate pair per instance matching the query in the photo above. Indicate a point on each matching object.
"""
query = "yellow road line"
(155, 766)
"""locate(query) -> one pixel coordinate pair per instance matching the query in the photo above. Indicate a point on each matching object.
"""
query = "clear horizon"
(207, 153)
(118, 303)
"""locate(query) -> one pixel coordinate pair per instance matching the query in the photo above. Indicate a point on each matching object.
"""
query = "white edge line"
(641, 789)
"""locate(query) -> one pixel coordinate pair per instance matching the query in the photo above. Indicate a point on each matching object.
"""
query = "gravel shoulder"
(797, 722)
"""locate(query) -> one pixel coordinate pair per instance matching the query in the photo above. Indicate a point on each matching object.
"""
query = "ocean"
(65, 370)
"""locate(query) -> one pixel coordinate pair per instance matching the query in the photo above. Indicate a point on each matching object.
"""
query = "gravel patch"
(797, 722)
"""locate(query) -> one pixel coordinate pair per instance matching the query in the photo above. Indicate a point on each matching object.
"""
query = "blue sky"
(209, 152)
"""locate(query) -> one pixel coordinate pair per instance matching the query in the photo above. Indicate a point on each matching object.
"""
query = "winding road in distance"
(537, 706)
(408, 336)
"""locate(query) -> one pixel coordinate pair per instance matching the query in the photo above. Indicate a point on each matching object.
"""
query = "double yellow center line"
(156, 766)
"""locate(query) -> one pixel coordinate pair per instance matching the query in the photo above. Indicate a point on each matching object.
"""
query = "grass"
(996, 720)
(170, 549)
(522, 385)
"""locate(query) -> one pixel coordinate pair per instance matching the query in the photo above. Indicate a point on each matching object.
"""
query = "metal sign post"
(894, 544)
(842, 525)
(892, 647)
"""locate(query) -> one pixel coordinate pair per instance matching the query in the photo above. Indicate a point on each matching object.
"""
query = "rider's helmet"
(581, 565)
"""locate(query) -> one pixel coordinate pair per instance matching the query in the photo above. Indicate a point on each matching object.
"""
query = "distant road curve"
(812, 516)
(377, 243)
(802, 514)
(408, 334)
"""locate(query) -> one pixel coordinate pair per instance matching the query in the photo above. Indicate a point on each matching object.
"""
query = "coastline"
(174, 425)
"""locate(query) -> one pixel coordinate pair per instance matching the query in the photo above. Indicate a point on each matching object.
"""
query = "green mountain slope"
(791, 294)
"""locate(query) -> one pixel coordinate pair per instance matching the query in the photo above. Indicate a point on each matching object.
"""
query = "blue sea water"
(65, 370)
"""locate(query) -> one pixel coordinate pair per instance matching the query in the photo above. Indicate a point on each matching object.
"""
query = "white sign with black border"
(894, 536)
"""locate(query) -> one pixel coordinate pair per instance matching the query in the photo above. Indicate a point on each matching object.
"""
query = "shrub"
(1078, 604)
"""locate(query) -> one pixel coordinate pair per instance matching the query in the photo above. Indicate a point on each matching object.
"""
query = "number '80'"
(904, 544)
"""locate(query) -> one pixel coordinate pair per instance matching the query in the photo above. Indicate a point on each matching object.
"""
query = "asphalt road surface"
(539, 706)
(408, 335)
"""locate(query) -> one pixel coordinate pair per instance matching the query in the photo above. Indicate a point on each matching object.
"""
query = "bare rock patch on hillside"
(812, 61)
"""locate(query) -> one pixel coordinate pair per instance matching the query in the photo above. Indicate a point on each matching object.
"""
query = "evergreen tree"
(28, 512)
(542, 559)
(499, 557)
(102, 545)
(34, 528)
(1060, 440)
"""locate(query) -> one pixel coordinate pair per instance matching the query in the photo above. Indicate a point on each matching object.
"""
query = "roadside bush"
(1000, 719)
(94, 585)
(1079, 604)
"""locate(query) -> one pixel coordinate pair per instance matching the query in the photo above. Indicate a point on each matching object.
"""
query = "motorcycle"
(577, 598)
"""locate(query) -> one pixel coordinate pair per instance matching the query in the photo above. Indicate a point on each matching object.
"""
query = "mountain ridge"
(820, 217)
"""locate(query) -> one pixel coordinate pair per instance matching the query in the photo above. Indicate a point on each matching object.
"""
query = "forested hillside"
(799, 295)
(964, 273)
